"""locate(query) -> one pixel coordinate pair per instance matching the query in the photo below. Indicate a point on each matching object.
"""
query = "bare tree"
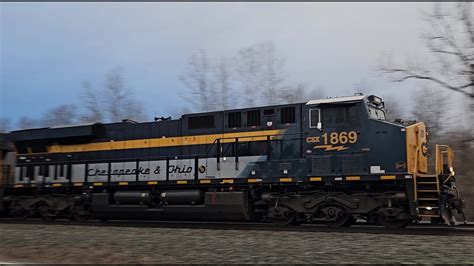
(222, 84)
(248, 70)
(393, 108)
(260, 73)
(450, 41)
(93, 111)
(273, 74)
(317, 92)
(257, 77)
(300, 93)
(430, 107)
(115, 94)
(295, 94)
(5, 124)
(197, 82)
(111, 103)
(27, 123)
(62, 115)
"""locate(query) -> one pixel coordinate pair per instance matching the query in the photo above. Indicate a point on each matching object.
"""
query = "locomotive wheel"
(391, 222)
(17, 211)
(281, 215)
(338, 215)
(81, 213)
(436, 220)
(45, 213)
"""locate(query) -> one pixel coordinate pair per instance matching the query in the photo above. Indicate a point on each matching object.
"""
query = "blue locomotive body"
(328, 160)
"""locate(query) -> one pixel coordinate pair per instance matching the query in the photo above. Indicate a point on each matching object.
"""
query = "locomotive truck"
(330, 161)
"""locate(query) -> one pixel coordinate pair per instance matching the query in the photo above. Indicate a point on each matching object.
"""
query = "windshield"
(376, 113)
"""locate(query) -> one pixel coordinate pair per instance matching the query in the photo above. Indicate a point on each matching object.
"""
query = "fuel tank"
(132, 197)
(182, 197)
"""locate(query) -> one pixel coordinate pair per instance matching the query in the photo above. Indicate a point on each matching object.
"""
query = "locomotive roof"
(4, 146)
(337, 99)
(91, 129)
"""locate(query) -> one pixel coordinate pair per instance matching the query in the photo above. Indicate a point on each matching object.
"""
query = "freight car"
(326, 161)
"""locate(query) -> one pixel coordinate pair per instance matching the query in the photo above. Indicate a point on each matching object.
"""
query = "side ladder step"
(428, 196)
(428, 199)
(425, 211)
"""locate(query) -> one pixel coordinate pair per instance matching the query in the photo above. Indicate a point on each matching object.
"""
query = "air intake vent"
(200, 122)
(234, 119)
(253, 118)
(288, 115)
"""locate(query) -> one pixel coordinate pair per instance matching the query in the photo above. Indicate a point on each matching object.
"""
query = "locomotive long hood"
(57, 133)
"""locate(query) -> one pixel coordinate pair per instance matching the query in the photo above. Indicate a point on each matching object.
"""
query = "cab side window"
(353, 115)
(342, 115)
(314, 117)
(334, 116)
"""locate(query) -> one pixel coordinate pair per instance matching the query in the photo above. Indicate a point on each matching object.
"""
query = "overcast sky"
(48, 49)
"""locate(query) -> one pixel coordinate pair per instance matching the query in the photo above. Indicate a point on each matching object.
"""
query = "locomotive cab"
(350, 135)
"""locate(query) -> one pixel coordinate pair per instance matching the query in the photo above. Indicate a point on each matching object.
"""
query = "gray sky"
(48, 49)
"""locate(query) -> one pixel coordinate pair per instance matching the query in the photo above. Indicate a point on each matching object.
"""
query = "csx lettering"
(313, 139)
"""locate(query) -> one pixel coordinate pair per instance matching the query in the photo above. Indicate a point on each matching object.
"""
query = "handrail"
(141, 158)
(448, 178)
(284, 134)
(254, 136)
(149, 158)
(417, 150)
(415, 185)
(440, 161)
(7, 173)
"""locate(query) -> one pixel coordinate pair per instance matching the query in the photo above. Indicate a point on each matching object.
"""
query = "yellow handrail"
(415, 187)
(440, 161)
(441, 152)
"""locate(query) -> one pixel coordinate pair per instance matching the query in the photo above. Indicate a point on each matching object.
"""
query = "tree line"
(254, 75)
(111, 102)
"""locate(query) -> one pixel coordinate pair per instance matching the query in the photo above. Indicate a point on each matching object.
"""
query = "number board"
(333, 141)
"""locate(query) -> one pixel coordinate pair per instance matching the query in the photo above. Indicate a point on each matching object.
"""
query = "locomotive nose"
(417, 148)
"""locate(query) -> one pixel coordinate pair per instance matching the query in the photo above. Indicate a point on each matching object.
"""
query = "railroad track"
(417, 229)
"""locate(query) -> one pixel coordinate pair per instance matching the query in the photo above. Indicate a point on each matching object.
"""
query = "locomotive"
(329, 161)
